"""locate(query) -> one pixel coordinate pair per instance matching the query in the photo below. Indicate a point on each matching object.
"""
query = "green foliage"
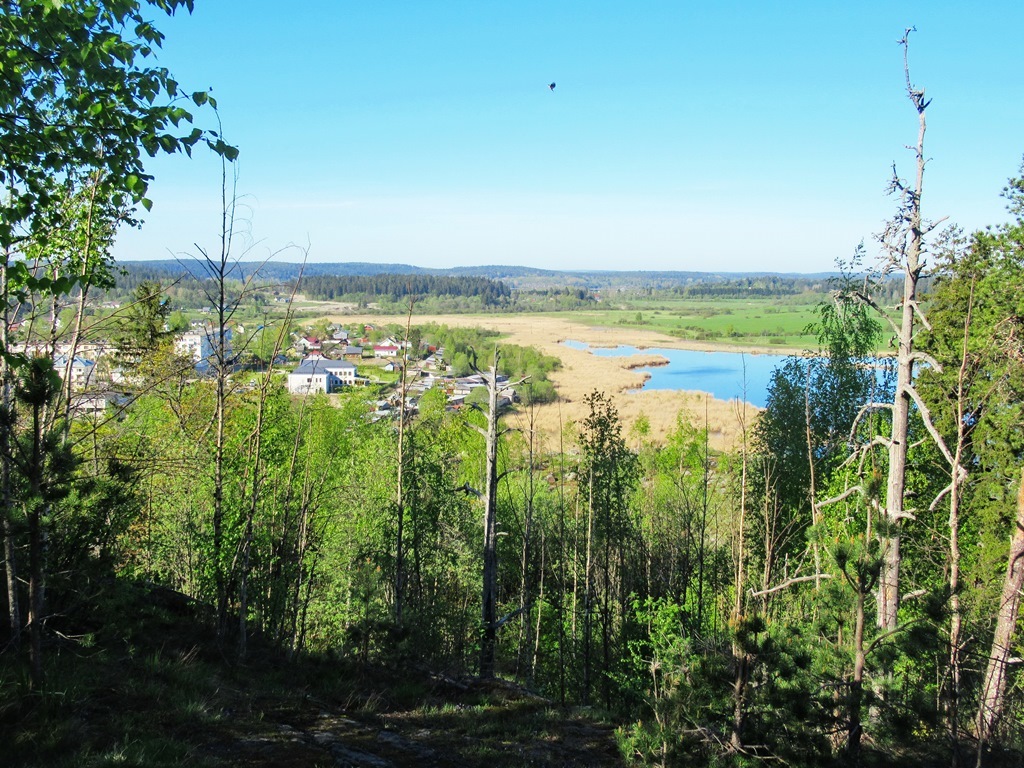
(78, 77)
(658, 674)
(537, 392)
(463, 346)
(810, 421)
(682, 694)
(139, 329)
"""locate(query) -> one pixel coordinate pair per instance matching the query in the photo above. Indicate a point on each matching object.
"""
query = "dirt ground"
(583, 372)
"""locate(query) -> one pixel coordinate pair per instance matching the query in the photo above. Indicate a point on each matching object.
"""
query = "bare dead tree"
(217, 268)
(492, 434)
(530, 430)
(903, 246)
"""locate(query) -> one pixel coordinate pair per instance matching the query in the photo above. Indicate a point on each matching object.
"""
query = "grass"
(742, 322)
(154, 689)
(123, 701)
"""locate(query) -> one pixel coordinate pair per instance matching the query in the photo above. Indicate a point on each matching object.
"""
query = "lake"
(724, 374)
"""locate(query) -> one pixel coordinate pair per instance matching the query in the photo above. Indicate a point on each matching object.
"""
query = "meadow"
(777, 322)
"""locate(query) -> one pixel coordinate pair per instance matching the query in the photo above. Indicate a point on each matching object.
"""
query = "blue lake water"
(726, 375)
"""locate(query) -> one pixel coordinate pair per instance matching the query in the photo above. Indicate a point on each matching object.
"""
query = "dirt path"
(583, 372)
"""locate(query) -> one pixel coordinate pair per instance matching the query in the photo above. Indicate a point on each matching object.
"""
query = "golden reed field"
(583, 372)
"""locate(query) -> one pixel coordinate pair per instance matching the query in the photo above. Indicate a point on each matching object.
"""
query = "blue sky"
(714, 136)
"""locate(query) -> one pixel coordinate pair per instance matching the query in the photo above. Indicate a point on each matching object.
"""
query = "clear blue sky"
(681, 135)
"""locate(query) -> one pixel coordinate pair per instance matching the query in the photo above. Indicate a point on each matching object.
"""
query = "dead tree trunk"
(957, 476)
(400, 499)
(489, 597)
(903, 244)
(524, 561)
(993, 688)
(741, 655)
(903, 240)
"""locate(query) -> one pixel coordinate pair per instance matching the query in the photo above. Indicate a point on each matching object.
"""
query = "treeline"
(552, 299)
(762, 286)
(186, 290)
(754, 286)
(365, 288)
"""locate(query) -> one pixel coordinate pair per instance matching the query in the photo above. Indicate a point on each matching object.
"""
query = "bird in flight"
(551, 87)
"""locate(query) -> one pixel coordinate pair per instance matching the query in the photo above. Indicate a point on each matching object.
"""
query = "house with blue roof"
(81, 370)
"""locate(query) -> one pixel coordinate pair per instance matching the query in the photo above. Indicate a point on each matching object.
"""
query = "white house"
(308, 344)
(96, 403)
(385, 350)
(200, 345)
(318, 374)
(81, 370)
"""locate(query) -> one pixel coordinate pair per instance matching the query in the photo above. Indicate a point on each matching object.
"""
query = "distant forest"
(515, 277)
(521, 289)
(397, 287)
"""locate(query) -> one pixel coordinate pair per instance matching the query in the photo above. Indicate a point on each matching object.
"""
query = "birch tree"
(79, 100)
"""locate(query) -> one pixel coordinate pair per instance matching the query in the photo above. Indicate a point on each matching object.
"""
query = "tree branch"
(863, 411)
(923, 357)
(920, 314)
(844, 495)
(508, 617)
(865, 299)
(789, 583)
(890, 633)
(926, 416)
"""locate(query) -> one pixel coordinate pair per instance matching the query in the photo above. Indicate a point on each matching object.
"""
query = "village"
(331, 365)
(98, 375)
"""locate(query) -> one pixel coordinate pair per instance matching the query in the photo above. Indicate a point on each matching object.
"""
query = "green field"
(745, 322)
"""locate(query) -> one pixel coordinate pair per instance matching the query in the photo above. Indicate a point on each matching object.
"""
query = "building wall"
(302, 384)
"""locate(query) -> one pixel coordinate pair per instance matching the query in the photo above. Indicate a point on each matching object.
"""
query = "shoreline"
(583, 372)
(693, 345)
